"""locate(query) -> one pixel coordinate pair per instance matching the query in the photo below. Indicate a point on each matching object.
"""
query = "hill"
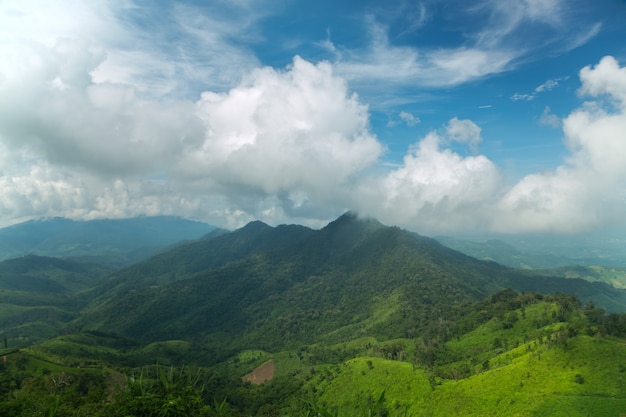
(113, 242)
(356, 318)
(539, 364)
(34, 292)
(510, 354)
(269, 288)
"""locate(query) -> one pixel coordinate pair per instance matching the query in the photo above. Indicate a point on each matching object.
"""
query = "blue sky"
(438, 116)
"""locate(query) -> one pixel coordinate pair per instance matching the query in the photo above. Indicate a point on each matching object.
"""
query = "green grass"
(349, 387)
(529, 371)
(583, 379)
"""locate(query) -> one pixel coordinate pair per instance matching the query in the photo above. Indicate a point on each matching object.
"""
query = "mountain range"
(116, 242)
(329, 310)
(277, 287)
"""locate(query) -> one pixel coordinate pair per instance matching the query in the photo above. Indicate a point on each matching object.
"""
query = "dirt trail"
(261, 374)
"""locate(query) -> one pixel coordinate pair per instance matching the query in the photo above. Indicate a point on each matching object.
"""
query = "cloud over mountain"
(92, 126)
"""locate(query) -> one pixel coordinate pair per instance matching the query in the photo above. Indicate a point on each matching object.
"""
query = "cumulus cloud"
(52, 106)
(588, 189)
(437, 189)
(86, 132)
(464, 131)
(606, 79)
(284, 145)
(282, 142)
(283, 131)
(434, 189)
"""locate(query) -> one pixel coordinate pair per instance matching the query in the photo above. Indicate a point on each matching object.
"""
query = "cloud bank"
(86, 133)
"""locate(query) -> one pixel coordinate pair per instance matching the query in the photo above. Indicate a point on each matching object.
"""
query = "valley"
(356, 318)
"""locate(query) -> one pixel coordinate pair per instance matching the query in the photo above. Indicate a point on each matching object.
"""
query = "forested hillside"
(510, 354)
(272, 288)
(356, 318)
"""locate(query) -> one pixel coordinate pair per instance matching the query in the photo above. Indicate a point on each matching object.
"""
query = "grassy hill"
(534, 366)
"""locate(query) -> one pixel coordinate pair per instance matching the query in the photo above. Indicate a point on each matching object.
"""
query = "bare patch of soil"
(261, 374)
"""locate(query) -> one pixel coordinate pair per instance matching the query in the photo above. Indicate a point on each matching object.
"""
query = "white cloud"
(588, 189)
(52, 106)
(605, 79)
(549, 119)
(546, 86)
(434, 189)
(95, 121)
(502, 35)
(400, 65)
(156, 55)
(409, 119)
(522, 97)
(437, 189)
(280, 142)
(463, 131)
(284, 131)
(285, 145)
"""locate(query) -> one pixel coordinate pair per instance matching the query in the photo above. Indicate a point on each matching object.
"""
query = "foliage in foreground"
(512, 354)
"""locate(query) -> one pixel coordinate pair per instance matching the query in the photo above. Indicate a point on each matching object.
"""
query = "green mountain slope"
(34, 293)
(354, 319)
(281, 285)
(276, 288)
(508, 355)
(541, 364)
(46, 275)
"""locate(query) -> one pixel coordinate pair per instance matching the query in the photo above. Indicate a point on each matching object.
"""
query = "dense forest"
(572, 351)
(356, 318)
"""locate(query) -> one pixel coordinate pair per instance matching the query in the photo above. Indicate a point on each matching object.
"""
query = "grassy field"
(584, 379)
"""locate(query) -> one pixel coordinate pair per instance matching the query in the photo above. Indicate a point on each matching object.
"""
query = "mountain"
(114, 242)
(356, 318)
(272, 288)
(46, 275)
(34, 291)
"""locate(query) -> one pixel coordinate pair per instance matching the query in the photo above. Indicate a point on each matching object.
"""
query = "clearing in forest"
(261, 374)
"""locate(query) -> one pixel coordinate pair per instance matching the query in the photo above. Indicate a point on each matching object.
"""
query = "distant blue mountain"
(114, 242)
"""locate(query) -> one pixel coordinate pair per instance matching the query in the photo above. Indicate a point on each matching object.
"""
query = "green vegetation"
(511, 354)
(355, 319)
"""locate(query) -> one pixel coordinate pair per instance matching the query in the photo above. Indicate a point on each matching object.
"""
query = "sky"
(439, 116)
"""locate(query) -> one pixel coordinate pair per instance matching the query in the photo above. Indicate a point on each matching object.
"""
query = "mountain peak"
(256, 225)
(352, 218)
